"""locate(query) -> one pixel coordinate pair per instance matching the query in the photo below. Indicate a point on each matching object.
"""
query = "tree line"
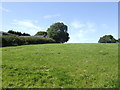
(58, 32)
(18, 33)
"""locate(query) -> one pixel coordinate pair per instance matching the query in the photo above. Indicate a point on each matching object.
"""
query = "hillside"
(92, 65)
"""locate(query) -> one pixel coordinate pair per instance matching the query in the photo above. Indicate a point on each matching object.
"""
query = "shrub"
(107, 39)
(16, 40)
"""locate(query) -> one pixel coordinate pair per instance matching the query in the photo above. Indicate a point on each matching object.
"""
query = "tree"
(25, 34)
(58, 32)
(11, 32)
(18, 33)
(41, 33)
(107, 39)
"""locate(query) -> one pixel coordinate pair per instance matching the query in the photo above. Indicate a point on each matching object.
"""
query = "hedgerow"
(10, 40)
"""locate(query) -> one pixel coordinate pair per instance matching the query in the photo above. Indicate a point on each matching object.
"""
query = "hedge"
(10, 40)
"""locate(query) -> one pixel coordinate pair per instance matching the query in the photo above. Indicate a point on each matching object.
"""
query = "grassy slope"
(60, 65)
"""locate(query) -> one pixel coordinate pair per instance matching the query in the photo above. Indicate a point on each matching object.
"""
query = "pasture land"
(80, 65)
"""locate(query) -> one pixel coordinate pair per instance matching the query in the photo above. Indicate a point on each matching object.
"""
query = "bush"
(41, 33)
(16, 40)
(107, 39)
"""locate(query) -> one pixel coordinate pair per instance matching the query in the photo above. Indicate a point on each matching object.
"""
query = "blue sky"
(86, 21)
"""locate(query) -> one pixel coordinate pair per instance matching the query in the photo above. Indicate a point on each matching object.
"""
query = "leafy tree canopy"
(107, 39)
(58, 32)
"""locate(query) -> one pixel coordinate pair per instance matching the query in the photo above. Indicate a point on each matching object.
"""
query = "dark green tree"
(25, 34)
(58, 32)
(18, 33)
(41, 33)
(11, 32)
(107, 39)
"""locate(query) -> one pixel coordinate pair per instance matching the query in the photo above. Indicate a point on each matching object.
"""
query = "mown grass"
(92, 65)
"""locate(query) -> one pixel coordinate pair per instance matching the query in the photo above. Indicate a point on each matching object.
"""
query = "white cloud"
(104, 26)
(36, 21)
(90, 25)
(51, 16)
(4, 9)
(80, 32)
(77, 24)
(26, 26)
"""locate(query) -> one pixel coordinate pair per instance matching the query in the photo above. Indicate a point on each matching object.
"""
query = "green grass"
(92, 65)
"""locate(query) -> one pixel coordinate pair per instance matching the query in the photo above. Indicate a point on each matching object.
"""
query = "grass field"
(92, 65)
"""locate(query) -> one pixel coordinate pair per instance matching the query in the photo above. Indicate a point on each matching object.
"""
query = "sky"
(86, 21)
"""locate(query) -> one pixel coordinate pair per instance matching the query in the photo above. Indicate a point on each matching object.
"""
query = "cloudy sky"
(86, 21)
